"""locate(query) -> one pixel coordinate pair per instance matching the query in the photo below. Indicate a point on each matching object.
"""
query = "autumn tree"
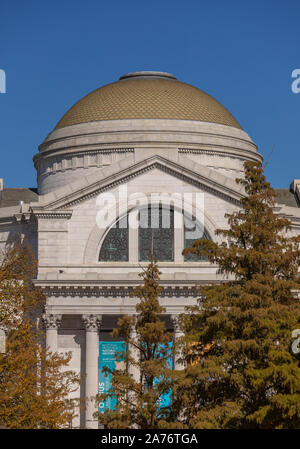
(141, 398)
(241, 372)
(34, 383)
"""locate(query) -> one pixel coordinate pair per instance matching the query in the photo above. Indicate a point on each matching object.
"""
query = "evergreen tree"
(34, 383)
(140, 398)
(241, 372)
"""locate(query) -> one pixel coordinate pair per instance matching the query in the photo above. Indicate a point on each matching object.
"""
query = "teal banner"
(165, 400)
(107, 352)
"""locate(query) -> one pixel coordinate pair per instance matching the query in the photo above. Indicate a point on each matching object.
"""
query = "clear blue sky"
(241, 52)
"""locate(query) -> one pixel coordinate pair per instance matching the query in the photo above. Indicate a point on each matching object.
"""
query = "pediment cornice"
(123, 171)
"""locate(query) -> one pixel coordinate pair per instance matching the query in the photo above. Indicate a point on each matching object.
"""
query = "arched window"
(115, 245)
(193, 230)
(155, 234)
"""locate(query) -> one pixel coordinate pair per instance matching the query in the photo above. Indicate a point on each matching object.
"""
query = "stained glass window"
(156, 234)
(115, 245)
(193, 230)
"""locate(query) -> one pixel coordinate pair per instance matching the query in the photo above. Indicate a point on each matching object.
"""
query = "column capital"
(51, 320)
(92, 322)
(175, 323)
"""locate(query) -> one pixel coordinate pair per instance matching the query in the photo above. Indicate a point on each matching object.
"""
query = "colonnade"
(92, 324)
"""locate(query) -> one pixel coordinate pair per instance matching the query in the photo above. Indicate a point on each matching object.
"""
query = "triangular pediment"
(122, 171)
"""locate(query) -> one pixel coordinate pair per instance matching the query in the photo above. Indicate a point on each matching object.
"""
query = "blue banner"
(165, 400)
(107, 352)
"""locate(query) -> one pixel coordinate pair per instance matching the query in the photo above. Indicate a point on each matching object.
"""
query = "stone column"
(52, 323)
(92, 324)
(177, 334)
(135, 354)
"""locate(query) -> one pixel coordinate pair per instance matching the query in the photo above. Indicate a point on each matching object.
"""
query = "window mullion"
(178, 236)
(133, 237)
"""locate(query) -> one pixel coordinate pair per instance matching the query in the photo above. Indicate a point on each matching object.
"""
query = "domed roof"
(148, 95)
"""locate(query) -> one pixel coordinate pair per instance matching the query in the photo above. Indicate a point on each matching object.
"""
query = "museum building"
(154, 138)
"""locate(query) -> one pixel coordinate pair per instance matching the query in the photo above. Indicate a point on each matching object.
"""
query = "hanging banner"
(165, 400)
(107, 352)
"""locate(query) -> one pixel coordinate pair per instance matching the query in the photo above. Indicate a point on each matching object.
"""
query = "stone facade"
(77, 163)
